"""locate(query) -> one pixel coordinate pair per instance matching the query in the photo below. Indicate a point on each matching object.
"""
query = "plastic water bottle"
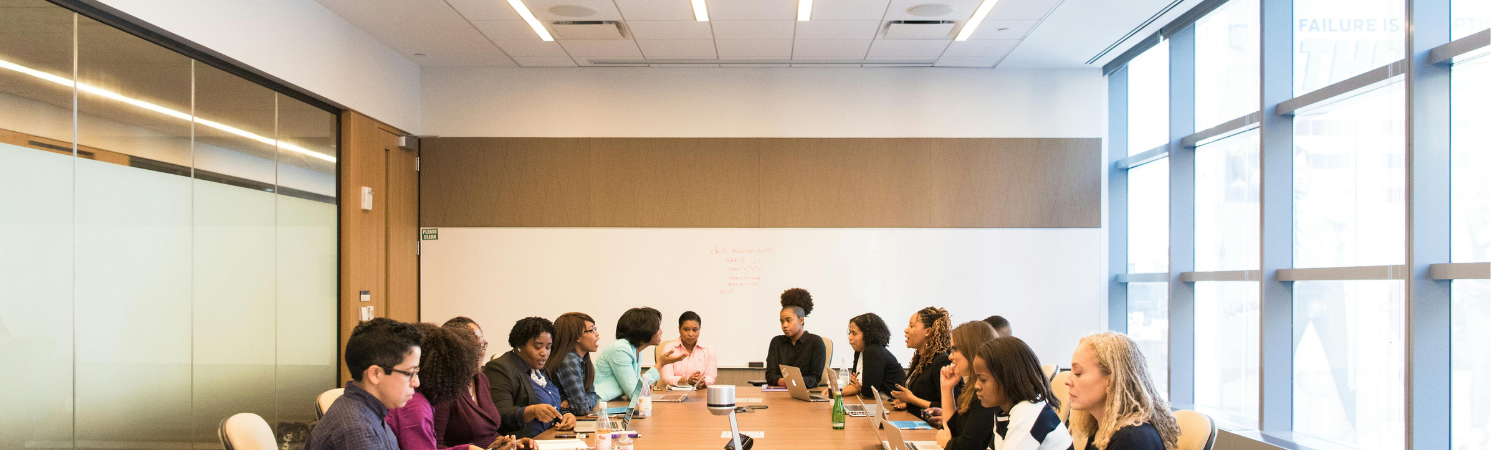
(601, 431)
(838, 410)
(843, 375)
(624, 442)
(644, 408)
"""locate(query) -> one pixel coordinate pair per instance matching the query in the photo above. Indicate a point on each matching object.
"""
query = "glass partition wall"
(1314, 184)
(168, 242)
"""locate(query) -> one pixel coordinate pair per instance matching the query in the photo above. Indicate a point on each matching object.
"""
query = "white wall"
(300, 42)
(762, 102)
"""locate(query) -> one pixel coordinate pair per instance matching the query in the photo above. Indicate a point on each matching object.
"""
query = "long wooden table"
(787, 423)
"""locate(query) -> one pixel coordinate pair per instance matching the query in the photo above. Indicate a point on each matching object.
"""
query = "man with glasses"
(382, 356)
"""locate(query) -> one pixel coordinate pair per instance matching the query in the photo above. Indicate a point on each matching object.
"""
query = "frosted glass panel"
(36, 296)
(134, 304)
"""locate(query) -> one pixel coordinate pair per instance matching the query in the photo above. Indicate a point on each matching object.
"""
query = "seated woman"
(527, 398)
(1111, 383)
(450, 358)
(929, 333)
(968, 422)
(876, 369)
(1009, 380)
(796, 347)
(618, 370)
(700, 367)
(570, 363)
(470, 418)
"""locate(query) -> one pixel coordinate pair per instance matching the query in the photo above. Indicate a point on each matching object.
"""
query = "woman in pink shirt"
(700, 368)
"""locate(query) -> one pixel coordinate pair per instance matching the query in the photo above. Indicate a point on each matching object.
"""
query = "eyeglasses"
(409, 375)
(484, 345)
(592, 330)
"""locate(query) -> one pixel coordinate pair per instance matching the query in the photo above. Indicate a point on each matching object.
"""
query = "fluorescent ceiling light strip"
(973, 23)
(160, 109)
(700, 10)
(804, 10)
(531, 20)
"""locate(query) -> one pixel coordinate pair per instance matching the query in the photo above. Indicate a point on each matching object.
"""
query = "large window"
(1148, 254)
(1227, 63)
(1227, 333)
(173, 266)
(1148, 100)
(1476, 377)
(1338, 39)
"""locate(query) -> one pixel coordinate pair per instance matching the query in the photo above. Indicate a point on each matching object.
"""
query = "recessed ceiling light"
(930, 10)
(804, 10)
(700, 10)
(536, 25)
(572, 10)
(973, 23)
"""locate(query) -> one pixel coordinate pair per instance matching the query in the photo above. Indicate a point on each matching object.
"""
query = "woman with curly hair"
(795, 347)
(1111, 383)
(968, 422)
(930, 333)
(876, 369)
(449, 360)
(472, 417)
(527, 397)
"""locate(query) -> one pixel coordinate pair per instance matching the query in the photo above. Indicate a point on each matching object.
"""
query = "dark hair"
(529, 328)
(570, 328)
(797, 298)
(450, 358)
(686, 316)
(380, 342)
(997, 322)
(1018, 371)
(638, 325)
(462, 321)
(876, 333)
(939, 339)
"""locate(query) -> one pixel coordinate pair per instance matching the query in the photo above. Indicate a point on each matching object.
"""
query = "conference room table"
(787, 423)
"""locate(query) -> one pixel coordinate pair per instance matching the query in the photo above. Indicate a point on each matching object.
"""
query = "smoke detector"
(572, 11)
(930, 10)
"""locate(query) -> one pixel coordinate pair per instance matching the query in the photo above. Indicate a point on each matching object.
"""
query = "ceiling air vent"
(588, 30)
(919, 29)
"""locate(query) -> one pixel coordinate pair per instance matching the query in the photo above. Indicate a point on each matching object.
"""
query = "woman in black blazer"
(527, 397)
(876, 368)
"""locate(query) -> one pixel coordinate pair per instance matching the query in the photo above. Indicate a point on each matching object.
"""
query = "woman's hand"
(540, 412)
(897, 404)
(693, 380)
(943, 436)
(670, 357)
(503, 443)
(525, 444)
(903, 394)
(950, 377)
(568, 421)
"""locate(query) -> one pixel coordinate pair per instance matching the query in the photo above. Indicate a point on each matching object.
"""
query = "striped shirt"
(1030, 426)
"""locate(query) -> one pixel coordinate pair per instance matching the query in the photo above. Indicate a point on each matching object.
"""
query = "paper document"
(738, 400)
(754, 434)
(561, 444)
(770, 388)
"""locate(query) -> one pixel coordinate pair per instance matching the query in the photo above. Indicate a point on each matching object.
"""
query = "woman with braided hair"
(931, 334)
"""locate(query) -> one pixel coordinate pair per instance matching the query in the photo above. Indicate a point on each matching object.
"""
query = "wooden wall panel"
(674, 183)
(401, 231)
(1016, 183)
(520, 182)
(839, 182)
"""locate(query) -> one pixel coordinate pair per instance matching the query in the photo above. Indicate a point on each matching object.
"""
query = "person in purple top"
(450, 358)
(382, 356)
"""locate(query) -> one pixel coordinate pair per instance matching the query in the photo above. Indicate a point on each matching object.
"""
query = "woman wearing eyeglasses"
(570, 363)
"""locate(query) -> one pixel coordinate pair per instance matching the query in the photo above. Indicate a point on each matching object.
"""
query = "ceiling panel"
(752, 10)
(754, 29)
(500, 30)
(427, 27)
(981, 48)
(678, 49)
(531, 47)
(670, 29)
(587, 62)
(838, 29)
(1012, 29)
(967, 61)
(655, 9)
(849, 9)
(962, 9)
(606, 9)
(1023, 10)
(545, 61)
(602, 49)
(757, 49)
(484, 9)
(829, 49)
(908, 48)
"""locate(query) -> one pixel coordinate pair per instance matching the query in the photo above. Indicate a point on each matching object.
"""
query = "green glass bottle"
(838, 409)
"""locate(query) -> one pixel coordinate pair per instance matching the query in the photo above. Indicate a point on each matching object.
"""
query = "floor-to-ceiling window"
(168, 238)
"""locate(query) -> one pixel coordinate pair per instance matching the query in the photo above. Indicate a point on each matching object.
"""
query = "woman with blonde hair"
(1110, 382)
(930, 333)
(967, 421)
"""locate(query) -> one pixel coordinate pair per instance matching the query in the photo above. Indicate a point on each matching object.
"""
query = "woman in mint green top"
(618, 367)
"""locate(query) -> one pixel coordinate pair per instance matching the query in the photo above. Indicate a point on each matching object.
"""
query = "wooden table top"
(787, 423)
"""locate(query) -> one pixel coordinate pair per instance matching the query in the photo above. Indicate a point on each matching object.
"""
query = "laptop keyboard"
(910, 446)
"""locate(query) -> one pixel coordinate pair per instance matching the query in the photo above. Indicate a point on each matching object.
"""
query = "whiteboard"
(1048, 282)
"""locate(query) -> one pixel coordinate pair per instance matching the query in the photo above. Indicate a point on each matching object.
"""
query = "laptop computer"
(894, 441)
(670, 398)
(850, 409)
(795, 385)
(625, 413)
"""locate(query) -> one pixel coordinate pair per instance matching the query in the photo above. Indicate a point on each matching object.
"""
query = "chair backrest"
(827, 353)
(325, 400)
(1060, 389)
(1049, 371)
(246, 431)
(1198, 430)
